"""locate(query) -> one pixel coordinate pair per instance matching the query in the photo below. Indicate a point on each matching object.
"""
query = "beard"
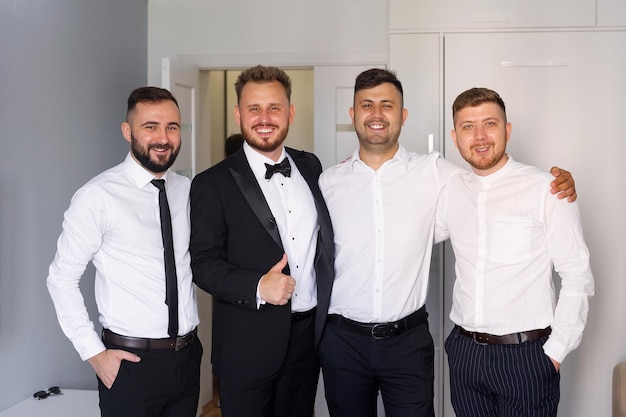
(485, 163)
(142, 154)
(265, 145)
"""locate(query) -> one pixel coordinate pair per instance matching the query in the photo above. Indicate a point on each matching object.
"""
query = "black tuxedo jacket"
(234, 241)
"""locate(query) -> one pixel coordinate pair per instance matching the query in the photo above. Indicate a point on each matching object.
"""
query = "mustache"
(161, 147)
(377, 120)
(264, 125)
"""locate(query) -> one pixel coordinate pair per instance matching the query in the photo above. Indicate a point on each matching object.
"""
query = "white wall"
(66, 70)
(240, 33)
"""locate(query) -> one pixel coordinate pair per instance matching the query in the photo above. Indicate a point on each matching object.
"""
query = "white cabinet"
(463, 14)
(611, 13)
(416, 60)
(564, 93)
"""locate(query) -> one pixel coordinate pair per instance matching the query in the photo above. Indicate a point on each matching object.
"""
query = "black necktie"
(284, 168)
(171, 289)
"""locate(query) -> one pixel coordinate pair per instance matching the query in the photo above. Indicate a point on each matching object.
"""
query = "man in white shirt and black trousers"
(508, 232)
(148, 357)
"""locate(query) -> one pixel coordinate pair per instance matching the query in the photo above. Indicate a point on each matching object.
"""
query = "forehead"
(263, 92)
(382, 92)
(482, 111)
(163, 111)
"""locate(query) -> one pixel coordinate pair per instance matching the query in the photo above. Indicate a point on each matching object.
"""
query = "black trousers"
(165, 383)
(289, 393)
(501, 380)
(355, 367)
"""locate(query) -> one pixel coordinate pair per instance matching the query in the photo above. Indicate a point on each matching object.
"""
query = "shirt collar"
(401, 156)
(257, 161)
(496, 175)
(138, 174)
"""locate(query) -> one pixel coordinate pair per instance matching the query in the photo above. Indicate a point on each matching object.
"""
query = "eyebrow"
(150, 122)
(370, 100)
(268, 104)
(477, 120)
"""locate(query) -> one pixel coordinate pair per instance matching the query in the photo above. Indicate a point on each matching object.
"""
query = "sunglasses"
(40, 395)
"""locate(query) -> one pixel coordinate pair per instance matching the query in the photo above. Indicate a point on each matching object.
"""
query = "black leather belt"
(302, 315)
(179, 343)
(505, 339)
(380, 331)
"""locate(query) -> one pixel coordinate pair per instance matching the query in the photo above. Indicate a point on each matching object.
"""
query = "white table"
(73, 403)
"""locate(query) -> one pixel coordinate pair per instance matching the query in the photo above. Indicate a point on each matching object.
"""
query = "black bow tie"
(284, 168)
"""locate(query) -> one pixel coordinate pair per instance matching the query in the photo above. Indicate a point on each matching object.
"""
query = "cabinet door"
(564, 93)
(611, 13)
(416, 60)
(463, 14)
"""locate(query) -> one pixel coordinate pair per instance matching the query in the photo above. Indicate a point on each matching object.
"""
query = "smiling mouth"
(376, 126)
(265, 129)
(160, 148)
(481, 149)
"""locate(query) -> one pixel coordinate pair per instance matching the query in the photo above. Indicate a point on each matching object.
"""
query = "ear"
(126, 132)
(351, 112)
(509, 128)
(405, 114)
(453, 135)
(292, 113)
(237, 115)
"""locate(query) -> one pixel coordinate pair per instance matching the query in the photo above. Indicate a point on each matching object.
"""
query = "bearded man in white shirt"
(508, 233)
(147, 361)
(382, 204)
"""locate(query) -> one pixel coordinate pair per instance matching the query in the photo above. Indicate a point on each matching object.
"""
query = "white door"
(415, 57)
(335, 139)
(183, 81)
(564, 93)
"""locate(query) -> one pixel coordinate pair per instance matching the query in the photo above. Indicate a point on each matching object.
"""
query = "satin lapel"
(245, 180)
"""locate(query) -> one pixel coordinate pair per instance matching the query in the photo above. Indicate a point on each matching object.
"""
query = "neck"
(375, 159)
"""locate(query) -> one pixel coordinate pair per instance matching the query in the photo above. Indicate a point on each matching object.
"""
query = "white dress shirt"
(383, 223)
(293, 207)
(508, 231)
(114, 222)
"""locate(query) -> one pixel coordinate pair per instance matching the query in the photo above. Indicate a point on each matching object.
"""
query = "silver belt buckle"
(475, 338)
(379, 333)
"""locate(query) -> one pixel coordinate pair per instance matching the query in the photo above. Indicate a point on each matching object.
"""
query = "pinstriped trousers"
(501, 380)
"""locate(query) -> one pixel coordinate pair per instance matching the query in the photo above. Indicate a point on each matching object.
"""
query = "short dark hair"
(376, 76)
(475, 97)
(233, 143)
(261, 74)
(148, 95)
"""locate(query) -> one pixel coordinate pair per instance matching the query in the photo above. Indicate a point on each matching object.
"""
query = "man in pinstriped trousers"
(508, 232)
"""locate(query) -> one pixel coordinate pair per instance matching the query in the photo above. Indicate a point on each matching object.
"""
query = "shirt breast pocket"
(511, 239)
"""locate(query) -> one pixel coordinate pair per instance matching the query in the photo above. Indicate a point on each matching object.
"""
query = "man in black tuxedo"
(262, 244)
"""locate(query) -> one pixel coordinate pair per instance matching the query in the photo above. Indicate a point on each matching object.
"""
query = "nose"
(480, 133)
(264, 116)
(377, 110)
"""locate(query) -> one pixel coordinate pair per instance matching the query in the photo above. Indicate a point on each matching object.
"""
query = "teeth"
(378, 126)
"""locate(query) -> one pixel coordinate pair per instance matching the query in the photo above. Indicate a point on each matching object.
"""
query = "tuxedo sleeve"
(210, 232)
